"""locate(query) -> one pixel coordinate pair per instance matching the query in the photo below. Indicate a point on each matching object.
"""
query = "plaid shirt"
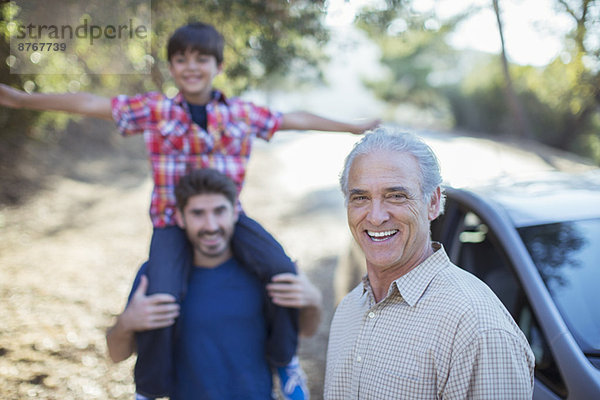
(176, 145)
(440, 333)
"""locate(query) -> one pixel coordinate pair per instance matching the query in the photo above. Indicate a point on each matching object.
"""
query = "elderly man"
(417, 327)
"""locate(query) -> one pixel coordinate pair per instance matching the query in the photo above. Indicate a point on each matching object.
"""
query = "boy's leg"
(167, 272)
(257, 250)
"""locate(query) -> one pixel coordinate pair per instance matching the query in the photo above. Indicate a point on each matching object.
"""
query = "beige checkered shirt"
(440, 333)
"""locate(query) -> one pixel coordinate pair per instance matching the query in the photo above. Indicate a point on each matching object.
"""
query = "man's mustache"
(200, 234)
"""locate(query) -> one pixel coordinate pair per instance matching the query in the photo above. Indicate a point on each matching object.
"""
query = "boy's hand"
(10, 97)
(361, 128)
(143, 312)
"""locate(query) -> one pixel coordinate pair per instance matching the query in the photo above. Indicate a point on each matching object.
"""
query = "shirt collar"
(216, 96)
(412, 285)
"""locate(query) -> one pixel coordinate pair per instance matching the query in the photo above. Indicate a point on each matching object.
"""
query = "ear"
(179, 218)
(433, 209)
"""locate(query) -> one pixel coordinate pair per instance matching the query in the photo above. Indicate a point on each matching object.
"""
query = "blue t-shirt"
(220, 347)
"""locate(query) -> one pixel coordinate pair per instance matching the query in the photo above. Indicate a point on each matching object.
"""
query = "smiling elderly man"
(417, 327)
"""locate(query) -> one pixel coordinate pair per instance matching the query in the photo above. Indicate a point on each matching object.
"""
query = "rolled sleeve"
(131, 113)
(255, 120)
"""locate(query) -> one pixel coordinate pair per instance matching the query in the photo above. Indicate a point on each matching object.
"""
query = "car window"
(473, 247)
(566, 255)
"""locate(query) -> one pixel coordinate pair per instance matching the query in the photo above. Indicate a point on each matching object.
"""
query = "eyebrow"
(397, 189)
(386, 190)
(354, 192)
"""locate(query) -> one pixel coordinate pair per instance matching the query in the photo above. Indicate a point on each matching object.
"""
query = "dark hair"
(204, 181)
(196, 36)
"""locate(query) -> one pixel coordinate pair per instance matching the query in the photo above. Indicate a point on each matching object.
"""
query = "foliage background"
(557, 104)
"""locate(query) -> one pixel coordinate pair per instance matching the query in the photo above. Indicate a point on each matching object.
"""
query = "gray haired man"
(417, 327)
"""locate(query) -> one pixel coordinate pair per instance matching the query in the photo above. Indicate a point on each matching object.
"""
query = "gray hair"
(391, 139)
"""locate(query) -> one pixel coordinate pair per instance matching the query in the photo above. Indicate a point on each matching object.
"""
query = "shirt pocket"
(406, 382)
(408, 370)
(235, 139)
(172, 137)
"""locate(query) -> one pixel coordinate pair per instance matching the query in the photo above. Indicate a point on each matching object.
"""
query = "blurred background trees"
(265, 40)
(274, 44)
(557, 104)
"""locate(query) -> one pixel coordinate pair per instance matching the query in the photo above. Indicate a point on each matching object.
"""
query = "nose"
(378, 213)
(211, 223)
(191, 63)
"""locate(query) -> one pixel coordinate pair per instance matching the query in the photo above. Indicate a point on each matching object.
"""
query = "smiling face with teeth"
(388, 214)
(193, 73)
(209, 221)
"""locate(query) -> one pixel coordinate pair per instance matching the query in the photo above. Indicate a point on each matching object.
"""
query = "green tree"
(414, 52)
(265, 40)
(581, 103)
(558, 104)
(518, 115)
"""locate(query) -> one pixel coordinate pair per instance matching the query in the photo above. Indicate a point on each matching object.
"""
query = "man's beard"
(211, 252)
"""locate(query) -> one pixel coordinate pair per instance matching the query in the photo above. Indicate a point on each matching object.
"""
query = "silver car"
(536, 243)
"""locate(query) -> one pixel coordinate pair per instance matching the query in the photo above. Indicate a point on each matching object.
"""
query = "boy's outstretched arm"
(86, 104)
(302, 120)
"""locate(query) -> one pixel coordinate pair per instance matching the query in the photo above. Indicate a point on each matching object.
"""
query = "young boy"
(198, 128)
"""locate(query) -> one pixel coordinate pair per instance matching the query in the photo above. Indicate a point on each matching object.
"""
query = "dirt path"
(68, 256)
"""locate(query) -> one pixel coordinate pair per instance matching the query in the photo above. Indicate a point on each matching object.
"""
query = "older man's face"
(386, 212)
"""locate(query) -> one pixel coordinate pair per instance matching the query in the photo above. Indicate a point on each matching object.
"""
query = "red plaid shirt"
(176, 145)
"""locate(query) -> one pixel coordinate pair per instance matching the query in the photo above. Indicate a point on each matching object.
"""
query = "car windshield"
(567, 255)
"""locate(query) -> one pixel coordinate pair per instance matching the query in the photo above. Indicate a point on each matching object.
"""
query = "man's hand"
(10, 97)
(149, 312)
(142, 313)
(297, 291)
(290, 290)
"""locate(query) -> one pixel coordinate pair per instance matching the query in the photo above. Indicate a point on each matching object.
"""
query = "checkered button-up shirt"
(176, 145)
(440, 333)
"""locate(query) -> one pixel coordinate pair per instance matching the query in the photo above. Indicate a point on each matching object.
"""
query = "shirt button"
(371, 315)
(358, 358)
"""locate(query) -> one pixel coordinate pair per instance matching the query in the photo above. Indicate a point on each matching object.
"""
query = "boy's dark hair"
(196, 36)
(204, 181)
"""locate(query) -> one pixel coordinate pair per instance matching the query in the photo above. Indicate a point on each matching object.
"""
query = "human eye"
(358, 198)
(219, 211)
(179, 58)
(197, 213)
(397, 197)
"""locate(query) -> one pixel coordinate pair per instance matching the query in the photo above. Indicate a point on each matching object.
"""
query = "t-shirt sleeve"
(131, 113)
